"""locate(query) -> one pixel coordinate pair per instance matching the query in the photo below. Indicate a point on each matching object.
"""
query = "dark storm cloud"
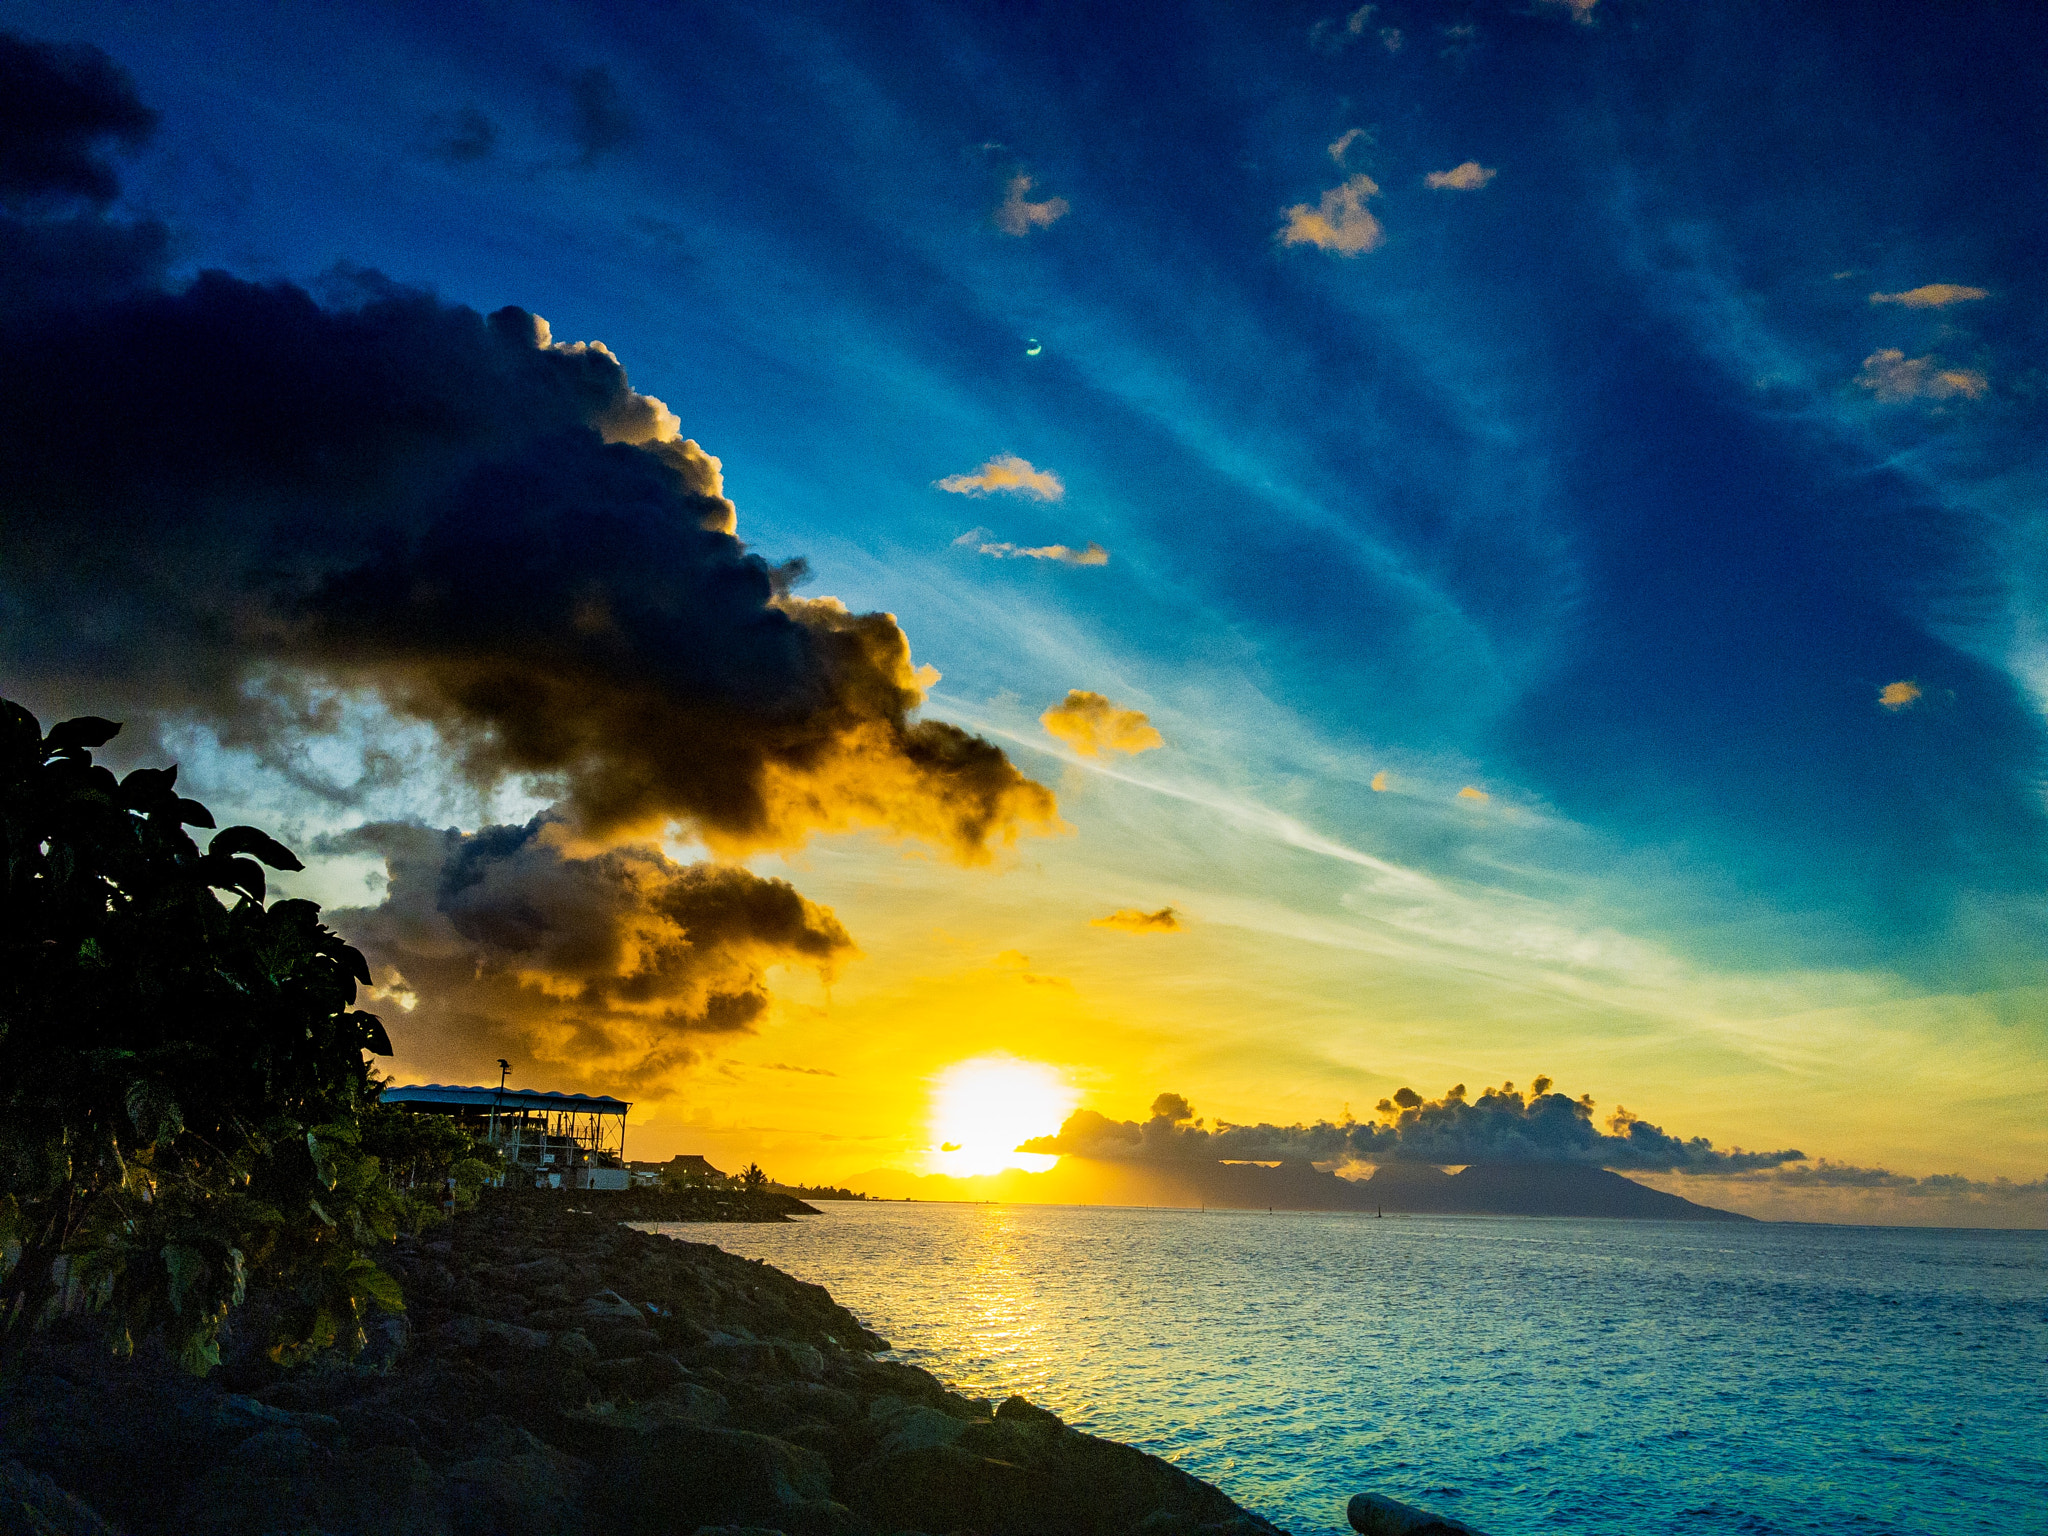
(218, 496)
(601, 121)
(596, 965)
(1501, 1126)
(463, 136)
(59, 105)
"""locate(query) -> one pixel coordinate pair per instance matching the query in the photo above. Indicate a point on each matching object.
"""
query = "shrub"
(185, 1104)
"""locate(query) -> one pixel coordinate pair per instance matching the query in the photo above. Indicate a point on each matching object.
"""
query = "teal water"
(1529, 1376)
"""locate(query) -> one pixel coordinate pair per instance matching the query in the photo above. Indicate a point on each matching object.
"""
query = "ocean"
(1525, 1375)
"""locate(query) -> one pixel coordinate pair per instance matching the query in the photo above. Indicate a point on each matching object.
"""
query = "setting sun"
(982, 1108)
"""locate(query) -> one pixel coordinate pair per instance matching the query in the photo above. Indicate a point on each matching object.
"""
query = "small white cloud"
(1343, 142)
(1469, 177)
(1582, 10)
(1893, 377)
(1006, 472)
(1390, 39)
(1340, 222)
(1017, 215)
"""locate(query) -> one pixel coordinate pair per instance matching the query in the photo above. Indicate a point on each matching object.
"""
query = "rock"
(278, 1480)
(576, 1344)
(681, 1476)
(1374, 1514)
(385, 1341)
(945, 1488)
(470, 1332)
(637, 1376)
(32, 1505)
(517, 1486)
(917, 1428)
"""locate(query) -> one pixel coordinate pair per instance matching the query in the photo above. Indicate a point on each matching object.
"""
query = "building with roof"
(548, 1140)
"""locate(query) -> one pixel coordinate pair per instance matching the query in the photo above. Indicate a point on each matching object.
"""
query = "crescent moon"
(1035, 348)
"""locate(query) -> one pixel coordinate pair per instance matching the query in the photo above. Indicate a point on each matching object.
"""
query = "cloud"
(1473, 792)
(62, 103)
(1006, 472)
(1824, 1174)
(591, 968)
(1341, 145)
(1379, 782)
(1092, 725)
(381, 493)
(1340, 222)
(1390, 39)
(462, 137)
(600, 120)
(1131, 920)
(1899, 695)
(1582, 10)
(1931, 296)
(1893, 377)
(1090, 554)
(1469, 177)
(1015, 215)
(1331, 35)
(1501, 1126)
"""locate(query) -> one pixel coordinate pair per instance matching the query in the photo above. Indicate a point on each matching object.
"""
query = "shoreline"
(557, 1371)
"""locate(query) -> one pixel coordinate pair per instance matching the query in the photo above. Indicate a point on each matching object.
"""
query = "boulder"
(32, 1505)
(683, 1475)
(517, 1485)
(945, 1488)
(1374, 1514)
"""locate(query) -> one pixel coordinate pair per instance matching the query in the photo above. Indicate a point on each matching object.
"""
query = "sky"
(1341, 550)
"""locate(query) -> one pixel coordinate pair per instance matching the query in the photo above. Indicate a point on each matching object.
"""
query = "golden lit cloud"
(1016, 215)
(1894, 377)
(1092, 725)
(1090, 553)
(1469, 177)
(1899, 695)
(1340, 145)
(1473, 792)
(1131, 920)
(1379, 781)
(1340, 222)
(1582, 10)
(1931, 296)
(1006, 472)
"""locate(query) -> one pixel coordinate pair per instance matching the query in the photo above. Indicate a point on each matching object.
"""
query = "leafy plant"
(183, 1087)
(752, 1179)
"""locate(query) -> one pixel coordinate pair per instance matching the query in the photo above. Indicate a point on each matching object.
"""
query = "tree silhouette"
(182, 1076)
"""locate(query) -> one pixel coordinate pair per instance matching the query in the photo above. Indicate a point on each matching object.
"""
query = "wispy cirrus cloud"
(1018, 215)
(1469, 177)
(1894, 378)
(1341, 145)
(1092, 725)
(1006, 472)
(983, 542)
(1133, 920)
(1582, 10)
(1932, 296)
(1340, 222)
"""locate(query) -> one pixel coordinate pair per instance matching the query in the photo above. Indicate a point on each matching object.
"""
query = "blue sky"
(1598, 478)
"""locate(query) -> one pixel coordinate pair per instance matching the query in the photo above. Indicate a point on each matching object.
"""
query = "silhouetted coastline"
(557, 1373)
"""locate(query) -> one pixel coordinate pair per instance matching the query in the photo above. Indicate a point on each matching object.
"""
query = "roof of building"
(503, 1098)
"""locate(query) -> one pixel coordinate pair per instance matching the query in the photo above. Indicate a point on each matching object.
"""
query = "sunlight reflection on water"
(1528, 1376)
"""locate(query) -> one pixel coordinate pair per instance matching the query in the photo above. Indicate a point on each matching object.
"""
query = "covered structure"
(551, 1140)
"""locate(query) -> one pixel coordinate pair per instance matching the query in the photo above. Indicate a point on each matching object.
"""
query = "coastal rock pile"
(558, 1374)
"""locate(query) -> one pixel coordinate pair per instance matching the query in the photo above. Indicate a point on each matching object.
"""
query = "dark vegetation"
(186, 1106)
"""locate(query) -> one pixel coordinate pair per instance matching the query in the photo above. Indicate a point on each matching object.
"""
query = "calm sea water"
(1526, 1375)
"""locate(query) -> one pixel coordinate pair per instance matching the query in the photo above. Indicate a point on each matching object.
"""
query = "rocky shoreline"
(559, 1374)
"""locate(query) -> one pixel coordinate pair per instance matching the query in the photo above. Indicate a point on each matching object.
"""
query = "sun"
(981, 1109)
